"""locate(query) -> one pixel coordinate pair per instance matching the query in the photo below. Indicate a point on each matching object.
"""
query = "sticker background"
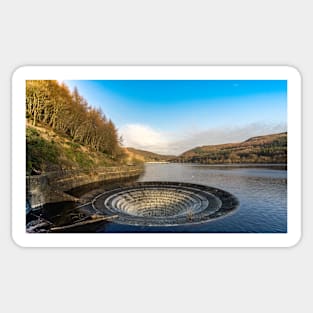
(140, 32)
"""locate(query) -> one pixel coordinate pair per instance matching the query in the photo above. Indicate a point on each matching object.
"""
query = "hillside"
(147, 156)
(64, 132)
(48, 150)
(261, 149)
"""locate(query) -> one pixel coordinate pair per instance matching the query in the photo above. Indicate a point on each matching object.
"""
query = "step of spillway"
(165, 203)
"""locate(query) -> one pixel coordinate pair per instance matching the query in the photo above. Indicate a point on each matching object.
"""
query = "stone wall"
(51, 187)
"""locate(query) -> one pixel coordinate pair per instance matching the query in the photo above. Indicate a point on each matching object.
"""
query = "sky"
(172, 116)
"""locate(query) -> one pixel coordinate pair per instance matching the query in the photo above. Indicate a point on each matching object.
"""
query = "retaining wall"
(51, 187)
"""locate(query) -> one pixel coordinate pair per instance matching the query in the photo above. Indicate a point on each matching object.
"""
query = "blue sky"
(174, 116)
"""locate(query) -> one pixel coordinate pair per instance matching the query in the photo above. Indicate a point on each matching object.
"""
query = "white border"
(288, 73)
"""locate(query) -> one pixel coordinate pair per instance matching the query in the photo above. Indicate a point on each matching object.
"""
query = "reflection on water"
(261, 190)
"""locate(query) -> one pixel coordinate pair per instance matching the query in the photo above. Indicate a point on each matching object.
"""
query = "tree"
(52, 104)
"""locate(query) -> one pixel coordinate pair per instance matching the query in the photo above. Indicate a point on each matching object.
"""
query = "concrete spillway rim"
(229, 204)
(194, 198)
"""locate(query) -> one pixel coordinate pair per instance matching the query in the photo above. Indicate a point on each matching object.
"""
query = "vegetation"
(49, 151)
(39, 151)
(261, 149)
(64, 131)
(53, 105)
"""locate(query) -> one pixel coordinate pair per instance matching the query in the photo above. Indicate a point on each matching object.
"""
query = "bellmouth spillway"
(165, 203)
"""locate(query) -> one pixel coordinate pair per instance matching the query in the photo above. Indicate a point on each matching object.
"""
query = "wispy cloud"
(146, 138)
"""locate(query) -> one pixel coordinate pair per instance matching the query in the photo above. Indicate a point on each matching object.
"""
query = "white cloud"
(146, 138)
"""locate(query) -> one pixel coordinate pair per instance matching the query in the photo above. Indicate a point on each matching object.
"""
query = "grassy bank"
(49, 151)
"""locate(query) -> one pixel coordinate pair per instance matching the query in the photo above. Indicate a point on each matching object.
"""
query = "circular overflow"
(165, 203)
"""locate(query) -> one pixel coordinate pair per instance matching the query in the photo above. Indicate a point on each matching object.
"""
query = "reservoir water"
(261, 190)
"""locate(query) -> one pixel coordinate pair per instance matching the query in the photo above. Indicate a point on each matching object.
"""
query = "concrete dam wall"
(51, 187)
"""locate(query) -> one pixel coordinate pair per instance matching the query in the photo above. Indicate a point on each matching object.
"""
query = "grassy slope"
(49, 151)
(261, 149)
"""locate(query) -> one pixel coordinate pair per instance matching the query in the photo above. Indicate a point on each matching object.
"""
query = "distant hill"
(147, 156)
(261, 149)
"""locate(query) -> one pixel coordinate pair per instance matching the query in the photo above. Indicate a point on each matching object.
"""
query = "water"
(261, 190)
